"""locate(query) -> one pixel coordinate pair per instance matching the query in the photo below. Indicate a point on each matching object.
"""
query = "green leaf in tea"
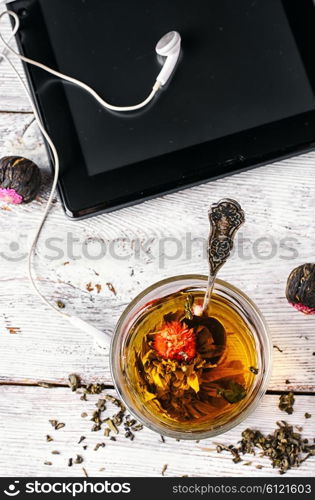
(188, 306)
(234, 393)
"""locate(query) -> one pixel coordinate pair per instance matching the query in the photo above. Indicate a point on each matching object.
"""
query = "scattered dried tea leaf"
(60, 304)
(49, 438)
(70, 462)
(137, 427)
(74, 382)
(278, 348)
(113, 423)
(109, 422)
(96, 417)
(286, 402)
(111, 288)
(55, 452)
(308, 415)
(101, 404)
(84, 472)
(47, 463)
(94, 388)
(231, 449)
(56, 425)
(164, 469)
(98, 288)
(78, 459)
(89, 287)
(99, 445)
(129, 435)
(285, 448)
(13, 330)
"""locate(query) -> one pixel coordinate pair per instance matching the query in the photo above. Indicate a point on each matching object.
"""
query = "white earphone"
(169, 47)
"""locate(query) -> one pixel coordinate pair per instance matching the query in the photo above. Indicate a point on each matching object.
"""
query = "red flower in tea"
(175, 341)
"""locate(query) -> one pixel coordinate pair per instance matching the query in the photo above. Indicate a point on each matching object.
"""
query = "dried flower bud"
(300, 290)
(20, 180)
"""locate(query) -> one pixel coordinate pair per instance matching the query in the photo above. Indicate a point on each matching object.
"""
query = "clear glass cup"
(240, 305)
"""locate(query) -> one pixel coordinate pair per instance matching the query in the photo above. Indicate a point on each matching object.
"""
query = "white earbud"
(169, 47)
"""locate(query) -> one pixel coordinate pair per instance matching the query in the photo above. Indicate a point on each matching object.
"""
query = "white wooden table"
(38, 346)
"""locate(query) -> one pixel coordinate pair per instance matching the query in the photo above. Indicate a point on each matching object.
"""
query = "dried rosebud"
(20, 180)
(300, 290)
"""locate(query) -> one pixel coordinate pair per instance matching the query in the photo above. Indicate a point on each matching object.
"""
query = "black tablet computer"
(242, 94)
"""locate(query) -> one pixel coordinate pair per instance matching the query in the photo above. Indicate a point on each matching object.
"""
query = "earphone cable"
(48, 139)
(70, 79)
(52, 190)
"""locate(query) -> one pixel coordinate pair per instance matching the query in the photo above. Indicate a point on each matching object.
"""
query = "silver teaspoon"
(225, 217)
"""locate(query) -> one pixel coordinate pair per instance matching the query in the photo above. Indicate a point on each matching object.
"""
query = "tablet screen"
(242, 93)
(240, 68)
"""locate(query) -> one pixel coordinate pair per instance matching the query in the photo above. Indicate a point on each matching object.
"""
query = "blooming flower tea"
(190, 368)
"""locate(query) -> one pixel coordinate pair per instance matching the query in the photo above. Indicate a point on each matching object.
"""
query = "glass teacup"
(245, 360)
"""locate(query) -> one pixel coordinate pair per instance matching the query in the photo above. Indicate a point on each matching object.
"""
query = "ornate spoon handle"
(225, 217)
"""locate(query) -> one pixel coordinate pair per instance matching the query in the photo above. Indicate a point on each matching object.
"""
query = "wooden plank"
(24, 415)
(46, 348)
(279, 204)
(37, 345)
